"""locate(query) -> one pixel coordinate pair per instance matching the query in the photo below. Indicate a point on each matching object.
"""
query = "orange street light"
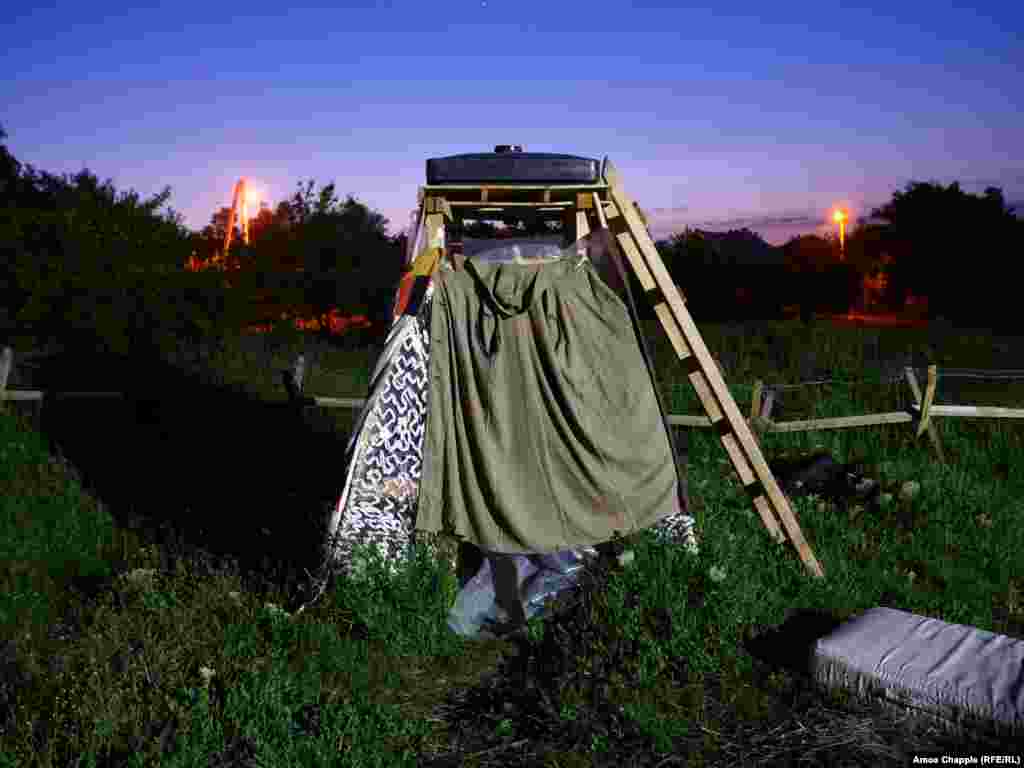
(253, 196)
(839, 217)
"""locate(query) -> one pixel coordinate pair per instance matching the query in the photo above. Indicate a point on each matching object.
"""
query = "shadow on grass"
(190, 464)
(791, 645)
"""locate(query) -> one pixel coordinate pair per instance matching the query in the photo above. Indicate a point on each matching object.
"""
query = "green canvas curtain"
(543, 430)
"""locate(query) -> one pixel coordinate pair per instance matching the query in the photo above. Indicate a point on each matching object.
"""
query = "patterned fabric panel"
(378, 503)
(679, 528)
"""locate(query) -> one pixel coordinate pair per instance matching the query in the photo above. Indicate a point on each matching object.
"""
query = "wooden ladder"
(596, 207)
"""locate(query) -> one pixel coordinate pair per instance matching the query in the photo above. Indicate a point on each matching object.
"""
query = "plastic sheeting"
(510, 589)
(514, 250)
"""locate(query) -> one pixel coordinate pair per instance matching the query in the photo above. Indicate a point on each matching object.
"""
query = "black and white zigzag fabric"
(378, 503)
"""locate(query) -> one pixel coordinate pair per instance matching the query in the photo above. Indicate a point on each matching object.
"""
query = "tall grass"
(118, 653)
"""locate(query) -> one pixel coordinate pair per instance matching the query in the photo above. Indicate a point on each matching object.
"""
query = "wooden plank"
(293, 379)
(340, 402)
(664, 315)
(929, 396)
(933, 435)
(86, 395)
(764, 509)
(618, 227)
(758, 425)
(20, 394)
(841, 422)
(732, 447)
(6, 364)
(434, 224)
(439, 206)
(504, 194)
(706, 396)
(689, 421)
(973, 411)
(35, 394)
(484, 205)
(750, 450)
(430, 188)
(583, 227)
(299, 372)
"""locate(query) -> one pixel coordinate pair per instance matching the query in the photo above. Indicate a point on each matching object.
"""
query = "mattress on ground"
(958, 673)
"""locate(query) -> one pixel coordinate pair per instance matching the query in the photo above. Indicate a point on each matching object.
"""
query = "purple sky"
(761, 116)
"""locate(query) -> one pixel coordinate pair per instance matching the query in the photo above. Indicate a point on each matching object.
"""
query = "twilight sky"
(762, 115)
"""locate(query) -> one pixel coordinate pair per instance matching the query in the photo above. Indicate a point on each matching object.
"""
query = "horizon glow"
(756, 117)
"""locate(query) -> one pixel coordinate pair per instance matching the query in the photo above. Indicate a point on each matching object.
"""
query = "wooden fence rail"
(921, 411)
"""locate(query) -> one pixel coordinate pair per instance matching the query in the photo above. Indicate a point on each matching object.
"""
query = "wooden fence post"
(929, 395)
(299, 372)
(6, 363)
(755, 400)
(769, 401)
(925, 404)
(293, 379)
(755, 408)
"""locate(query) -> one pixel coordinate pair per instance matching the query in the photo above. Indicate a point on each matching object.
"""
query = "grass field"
(121, 649)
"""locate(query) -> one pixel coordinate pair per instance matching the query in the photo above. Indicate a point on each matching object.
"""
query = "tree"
(817, 278)
(262, 224)
(85, 261)
(809, 253)
(867, 251)
(10, 171)
(341, 246)
(946, 244)
(689, 248)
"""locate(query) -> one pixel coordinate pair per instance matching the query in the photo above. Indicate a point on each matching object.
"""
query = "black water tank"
(508, 164)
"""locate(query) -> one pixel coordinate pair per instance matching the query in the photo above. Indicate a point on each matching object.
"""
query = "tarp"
(543, 431)
(510, 589)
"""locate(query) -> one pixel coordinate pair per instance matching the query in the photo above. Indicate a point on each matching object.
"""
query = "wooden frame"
(606, 207)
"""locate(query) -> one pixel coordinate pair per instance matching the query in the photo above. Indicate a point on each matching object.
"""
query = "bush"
(84, 262)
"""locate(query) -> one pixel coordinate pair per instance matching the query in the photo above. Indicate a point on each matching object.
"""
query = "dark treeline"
(81, 262)
(954, 249)
(737, 275)
(84, 263)
(312, 254)
(79, 258)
